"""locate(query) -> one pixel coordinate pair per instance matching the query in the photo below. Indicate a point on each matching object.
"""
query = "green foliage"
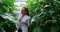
(6, 24)
(33, 6)
(37, 29)
(6, 6)
(45, 14)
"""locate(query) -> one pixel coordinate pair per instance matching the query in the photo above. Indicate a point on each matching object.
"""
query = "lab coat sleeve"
(28, 21)
(15, 12)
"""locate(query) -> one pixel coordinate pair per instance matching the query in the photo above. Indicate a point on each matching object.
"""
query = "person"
(23, 20)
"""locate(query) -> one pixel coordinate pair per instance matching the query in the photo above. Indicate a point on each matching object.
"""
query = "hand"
(25, 23)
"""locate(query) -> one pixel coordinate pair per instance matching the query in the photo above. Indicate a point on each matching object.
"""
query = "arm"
(15, 12)
(24, 23)
(27, 22)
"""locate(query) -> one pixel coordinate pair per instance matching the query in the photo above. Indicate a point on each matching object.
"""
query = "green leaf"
(37, 29)
(54, 29)
(6, 8)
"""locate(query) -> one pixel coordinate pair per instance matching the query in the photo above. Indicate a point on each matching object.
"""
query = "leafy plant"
(6, 24)
(45, 15)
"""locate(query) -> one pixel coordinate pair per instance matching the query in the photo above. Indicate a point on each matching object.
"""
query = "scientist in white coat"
(23, 20)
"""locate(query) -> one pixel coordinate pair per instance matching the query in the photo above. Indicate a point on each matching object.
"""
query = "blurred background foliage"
(45, 15)
(7, 23)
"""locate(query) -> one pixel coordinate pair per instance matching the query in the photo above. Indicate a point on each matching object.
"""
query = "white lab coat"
(24, 19)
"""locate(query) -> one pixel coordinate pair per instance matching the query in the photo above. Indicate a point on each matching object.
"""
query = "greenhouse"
(35, 16)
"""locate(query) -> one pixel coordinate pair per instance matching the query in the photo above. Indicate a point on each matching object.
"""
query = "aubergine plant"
(6, 16)
(45, 15)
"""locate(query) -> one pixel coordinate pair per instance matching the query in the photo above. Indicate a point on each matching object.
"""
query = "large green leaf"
(6, 8)
(54, 29)
(37, 29)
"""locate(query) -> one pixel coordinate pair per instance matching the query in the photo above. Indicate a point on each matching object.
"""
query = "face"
(23, 11)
